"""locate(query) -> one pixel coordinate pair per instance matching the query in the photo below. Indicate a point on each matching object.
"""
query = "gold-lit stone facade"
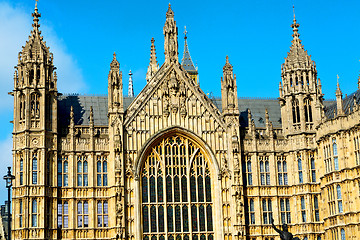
(173, 164)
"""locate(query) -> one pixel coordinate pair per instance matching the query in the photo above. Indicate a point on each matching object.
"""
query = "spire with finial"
(170, 34)
(339, 101)
(153, 66)
(131, 87)
(186, 61)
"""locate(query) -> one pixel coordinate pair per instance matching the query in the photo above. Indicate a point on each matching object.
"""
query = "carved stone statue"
(284, 234)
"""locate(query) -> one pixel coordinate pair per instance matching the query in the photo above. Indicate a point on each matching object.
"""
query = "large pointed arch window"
(307, 110)
(176, 192)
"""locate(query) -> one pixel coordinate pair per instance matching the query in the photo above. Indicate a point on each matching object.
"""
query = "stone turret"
(153, 66)
(35, 122)
(300, 96)
(171, 41)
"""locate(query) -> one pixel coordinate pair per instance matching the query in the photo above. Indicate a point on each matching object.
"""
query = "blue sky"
(255, 34)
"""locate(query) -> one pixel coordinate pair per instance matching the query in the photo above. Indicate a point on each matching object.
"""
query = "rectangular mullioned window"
(63, 170)
(264, 170)
(83, 214)
(282, 170)
(327, 158)
(267, 211)
(63, 215)
(331, 200)
(101, 169)
(285, 211)
(102, 214)
(82, 171)
(34, 168)
(300, 169)
(248, 170)
(316, 208)
(303, 209)
(251, 211)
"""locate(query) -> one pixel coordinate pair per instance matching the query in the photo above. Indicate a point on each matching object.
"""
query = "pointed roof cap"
(114, 63)
(297, 56)
(170, 12)
(227, 66)
(186, 61)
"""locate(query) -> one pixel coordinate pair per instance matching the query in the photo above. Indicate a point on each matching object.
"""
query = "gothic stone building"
(173, 164)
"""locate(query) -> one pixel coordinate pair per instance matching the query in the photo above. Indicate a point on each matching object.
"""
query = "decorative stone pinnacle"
(228, 66)
(131, 87)
(114, 63)
(185, 32)
(169, 13)
(338, 90)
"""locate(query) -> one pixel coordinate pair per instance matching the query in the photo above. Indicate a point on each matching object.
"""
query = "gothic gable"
(173, 93)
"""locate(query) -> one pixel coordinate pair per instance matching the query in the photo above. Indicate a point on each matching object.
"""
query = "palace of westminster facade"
(173, 164)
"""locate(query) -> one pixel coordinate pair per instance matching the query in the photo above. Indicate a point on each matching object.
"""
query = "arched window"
(176, 191)
(34, 169)
(303, 209)
(296, 111)
(35, 106)
(101, 168)
(335, 154)
(301, 180)
(339, 198)
(307, 110)
(307, 79)
(82, 171)
(249, 170)
(34, 212)
(282, 170)
(343, 237)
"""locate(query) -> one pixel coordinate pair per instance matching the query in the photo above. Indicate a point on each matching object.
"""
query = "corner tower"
(300, 91)
(35, 138)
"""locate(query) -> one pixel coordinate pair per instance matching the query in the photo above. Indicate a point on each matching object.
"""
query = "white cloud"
(15, 28)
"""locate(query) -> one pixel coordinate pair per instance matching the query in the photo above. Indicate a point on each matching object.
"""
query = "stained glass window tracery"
(176, 192)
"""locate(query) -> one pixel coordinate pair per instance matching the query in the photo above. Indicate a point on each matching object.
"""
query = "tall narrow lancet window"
(35, 106)
(21, 175)
(34, 169)
(300, 172)
(248, 171)
(22, 107)
(312, 168)
(339, 198)
(307, 110)
(295, 111)
(34, 211)
(335, 154)
(176, 192)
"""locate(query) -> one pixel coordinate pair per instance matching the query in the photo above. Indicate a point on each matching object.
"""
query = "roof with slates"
(82, 104)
